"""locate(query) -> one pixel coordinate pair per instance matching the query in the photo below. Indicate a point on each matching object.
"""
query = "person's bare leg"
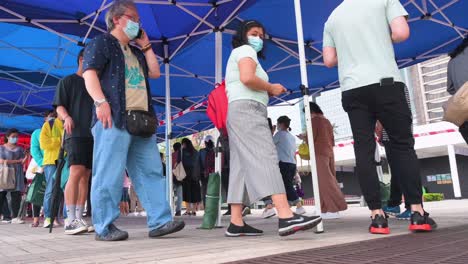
(377, 212)
(236, 214)
(83, 191)
(72, 189)
(299, 204)
(417, 208)
(282, 205)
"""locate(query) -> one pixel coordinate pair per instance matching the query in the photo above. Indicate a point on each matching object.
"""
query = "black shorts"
(80, 151)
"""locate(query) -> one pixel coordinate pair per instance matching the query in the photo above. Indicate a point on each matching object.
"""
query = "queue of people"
(102, 113)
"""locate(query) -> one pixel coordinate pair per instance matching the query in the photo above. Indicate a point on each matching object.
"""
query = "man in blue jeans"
(116, 76)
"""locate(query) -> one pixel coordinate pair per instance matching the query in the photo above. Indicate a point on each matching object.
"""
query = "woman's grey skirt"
(254, 166)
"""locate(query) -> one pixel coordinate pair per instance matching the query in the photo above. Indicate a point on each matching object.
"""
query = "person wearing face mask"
(253, 157)
(116, 77)
(50, 141)
(14, 157)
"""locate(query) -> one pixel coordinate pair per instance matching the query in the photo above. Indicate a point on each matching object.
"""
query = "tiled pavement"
(22, 244)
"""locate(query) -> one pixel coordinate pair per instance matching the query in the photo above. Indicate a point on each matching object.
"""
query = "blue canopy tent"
(38, 46)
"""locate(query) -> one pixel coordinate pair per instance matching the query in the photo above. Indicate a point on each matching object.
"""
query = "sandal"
(33, 225)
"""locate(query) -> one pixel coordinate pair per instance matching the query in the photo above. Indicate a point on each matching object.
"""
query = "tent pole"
(170, 196)
(310, 136)
(218, 79)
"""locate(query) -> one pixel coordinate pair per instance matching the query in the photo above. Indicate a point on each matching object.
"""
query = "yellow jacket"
(50, 141)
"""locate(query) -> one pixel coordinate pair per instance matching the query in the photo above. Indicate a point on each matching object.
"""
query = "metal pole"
(218, 79)
(454, 171)
(310, 136)
(170, 192)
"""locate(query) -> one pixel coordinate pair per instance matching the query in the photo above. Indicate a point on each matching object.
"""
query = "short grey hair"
(117, 9)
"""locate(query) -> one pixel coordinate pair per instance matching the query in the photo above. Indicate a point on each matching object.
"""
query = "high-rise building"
(429, 82)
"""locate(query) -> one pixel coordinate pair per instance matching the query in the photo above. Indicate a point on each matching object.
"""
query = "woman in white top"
(254, 170)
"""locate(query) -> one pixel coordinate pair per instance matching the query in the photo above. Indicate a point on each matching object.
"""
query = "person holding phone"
(373, 89)
(116, 76)
(254, 170)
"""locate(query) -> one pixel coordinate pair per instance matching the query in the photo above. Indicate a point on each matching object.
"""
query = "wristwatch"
(99, 102)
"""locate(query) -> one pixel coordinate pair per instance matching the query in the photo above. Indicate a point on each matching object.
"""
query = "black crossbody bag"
(141, 123)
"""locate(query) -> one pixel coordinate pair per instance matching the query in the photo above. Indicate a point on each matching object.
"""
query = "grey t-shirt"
(360, 32)
(457, 72)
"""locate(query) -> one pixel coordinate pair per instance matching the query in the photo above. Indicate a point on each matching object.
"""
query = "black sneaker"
(245, 230)
(289, 226)
(169, 228)
(422, 223)
(379, 225)
(75, 227)
(178, 213)
(114, 234)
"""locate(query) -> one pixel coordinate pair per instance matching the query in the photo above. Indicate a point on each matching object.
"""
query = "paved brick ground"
(22, 244)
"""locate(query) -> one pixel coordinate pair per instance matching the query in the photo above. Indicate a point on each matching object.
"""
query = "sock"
(79, 211)
(71, 213)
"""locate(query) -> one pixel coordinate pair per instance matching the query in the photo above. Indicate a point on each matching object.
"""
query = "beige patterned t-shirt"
(135, 84)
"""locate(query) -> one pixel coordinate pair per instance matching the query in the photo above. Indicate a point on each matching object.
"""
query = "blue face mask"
(256, 43)
(12, 140)
(131, 30)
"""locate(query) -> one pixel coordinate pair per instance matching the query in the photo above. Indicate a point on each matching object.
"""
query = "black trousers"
(15, 202)
(395, 189)
(464, 131)
(288, 171)
(366, 105)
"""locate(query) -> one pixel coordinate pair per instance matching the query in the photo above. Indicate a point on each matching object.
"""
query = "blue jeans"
(114, 150)
(49, 171)
(179, 195)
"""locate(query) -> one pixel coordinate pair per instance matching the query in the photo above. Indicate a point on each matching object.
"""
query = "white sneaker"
(90, 227)
(267, 213)
(300, 210)
(328, 215)
(17, 221)
(143, 213)
(134, 214)
(75, 227)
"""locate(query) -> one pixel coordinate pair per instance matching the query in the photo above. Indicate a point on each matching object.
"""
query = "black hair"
(209, 144)
(176, 146)
(285, 120)
(459, 49)
(270, 124)
(80, 55)
(8, 133)
(188, 145)
(240, 38)
(315, 108)
(50, 112)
